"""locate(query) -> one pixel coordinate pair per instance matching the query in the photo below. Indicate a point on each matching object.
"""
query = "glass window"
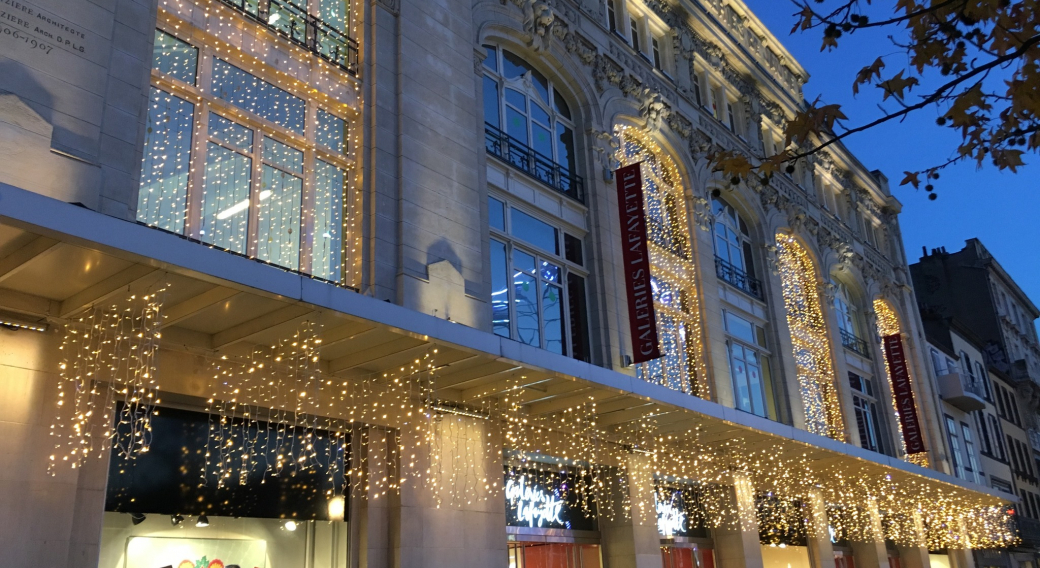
(332, 132)
(257, 96)
(740, 327)
(523, 103)
(633, 30)
(656, 49)
(267, 187)
(174, 57)
(956, 456)
(971, 463)
(162, 198)
(937, 362)
(864, 403)
(848, 314)
(335, 13)
(534, 231)
(536, 296)
(749, 371)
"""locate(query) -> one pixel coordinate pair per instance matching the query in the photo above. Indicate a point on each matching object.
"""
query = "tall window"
(633, 30)
(813, 357)
(612, 15)
(733, 258)
(655, 48)
(864, 402)
(749, 366)
(528, 122)
(273, 179)
(848, 314)
(673, 274)
(971, 463)
(537, 282)
(956, 457)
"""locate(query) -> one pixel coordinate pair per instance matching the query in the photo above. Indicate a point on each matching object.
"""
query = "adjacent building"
(335, 283)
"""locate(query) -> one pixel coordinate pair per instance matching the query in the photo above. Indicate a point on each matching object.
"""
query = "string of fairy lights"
(812, 348)
(676, 299)
(457, 453)
(242, 154)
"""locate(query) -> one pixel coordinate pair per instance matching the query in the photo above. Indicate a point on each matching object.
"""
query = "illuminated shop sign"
(677, 511)
(547, 500)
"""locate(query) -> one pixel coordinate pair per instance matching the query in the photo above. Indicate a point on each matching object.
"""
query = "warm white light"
(290, 525)
(337, 508)
(234, 209)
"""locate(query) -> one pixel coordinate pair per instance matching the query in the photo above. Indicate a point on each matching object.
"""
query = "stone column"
(960, 555)
(738, 546)
(915, 556)
(632, 541)
(375, 504)
(451, 517)
(872, 554)
(821, 550)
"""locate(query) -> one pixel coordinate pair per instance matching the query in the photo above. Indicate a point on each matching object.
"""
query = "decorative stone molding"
(654, 110)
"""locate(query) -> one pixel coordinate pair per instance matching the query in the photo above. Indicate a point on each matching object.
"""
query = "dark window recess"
(524, 158)
(287, 19)
(611, 16)
(579, 313)
(572, 249)
(166, 479)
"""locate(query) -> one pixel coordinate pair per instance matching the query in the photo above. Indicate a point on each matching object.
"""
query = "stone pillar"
(821, 549)
(632, 541)
(960, 555)
(375, 504)
(915, 556)
(738, 545)
(451, 517)
(872, 554)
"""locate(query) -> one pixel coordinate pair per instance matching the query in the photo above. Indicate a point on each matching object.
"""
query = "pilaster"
(739, 546)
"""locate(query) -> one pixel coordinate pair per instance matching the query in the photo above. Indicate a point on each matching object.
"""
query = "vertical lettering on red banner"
(641, 318)
(904, 394)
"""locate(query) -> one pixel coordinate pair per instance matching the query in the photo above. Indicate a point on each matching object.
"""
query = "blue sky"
(1000, 208)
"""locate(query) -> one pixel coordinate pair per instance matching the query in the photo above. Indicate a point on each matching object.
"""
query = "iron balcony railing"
(525, 159)
(854, 344)
(738, 278)
(291, 21)
(973, 385)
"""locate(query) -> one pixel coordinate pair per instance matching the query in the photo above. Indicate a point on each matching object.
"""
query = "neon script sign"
(534, 506)
(671, 520)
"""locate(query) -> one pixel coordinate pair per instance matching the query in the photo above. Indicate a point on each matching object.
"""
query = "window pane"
(330, 192)
(565, 147)
(540, 114)
(174, 57)
(740, 327)
(225, 198)
(740, 382)
(525, 290)
(516, 125)
(162, 200)
(561, 105)
(572, 249)
(523, 261)
(499, 289)
(579, 317)
(336, 13)
(543, 142)
(491, 102)
(278, 220)
(552, 318)
(229, 133)
(257, 96)
(285, 157)
(550, 272)
(534, 231)
(491, 61)
(517, 99)
(496, 214)
(332, 132)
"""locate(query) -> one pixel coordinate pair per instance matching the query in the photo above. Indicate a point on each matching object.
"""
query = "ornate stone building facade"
(341, 283)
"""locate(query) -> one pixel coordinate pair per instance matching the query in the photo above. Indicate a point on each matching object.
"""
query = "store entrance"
(553, 555)
(687, 557)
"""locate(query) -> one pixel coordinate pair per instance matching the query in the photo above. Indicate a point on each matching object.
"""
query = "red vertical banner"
(641, 318)
(904, 394)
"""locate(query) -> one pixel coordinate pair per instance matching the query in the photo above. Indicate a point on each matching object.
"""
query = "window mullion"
(252, 229)
(200, 143)
(307, 197)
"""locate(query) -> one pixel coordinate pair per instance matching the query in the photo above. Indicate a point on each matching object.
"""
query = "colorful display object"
(148, 552)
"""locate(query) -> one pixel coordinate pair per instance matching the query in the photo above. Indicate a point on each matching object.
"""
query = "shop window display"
(275, 497)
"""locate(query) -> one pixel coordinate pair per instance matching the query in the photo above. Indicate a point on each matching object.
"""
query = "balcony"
(853, 343)
(524, 158)
(292, 22)
(961, 391)
(738, 279)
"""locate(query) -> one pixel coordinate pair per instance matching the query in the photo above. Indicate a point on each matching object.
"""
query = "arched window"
(527, 122)
(733, 260)
(672, 273)
(812, 352)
